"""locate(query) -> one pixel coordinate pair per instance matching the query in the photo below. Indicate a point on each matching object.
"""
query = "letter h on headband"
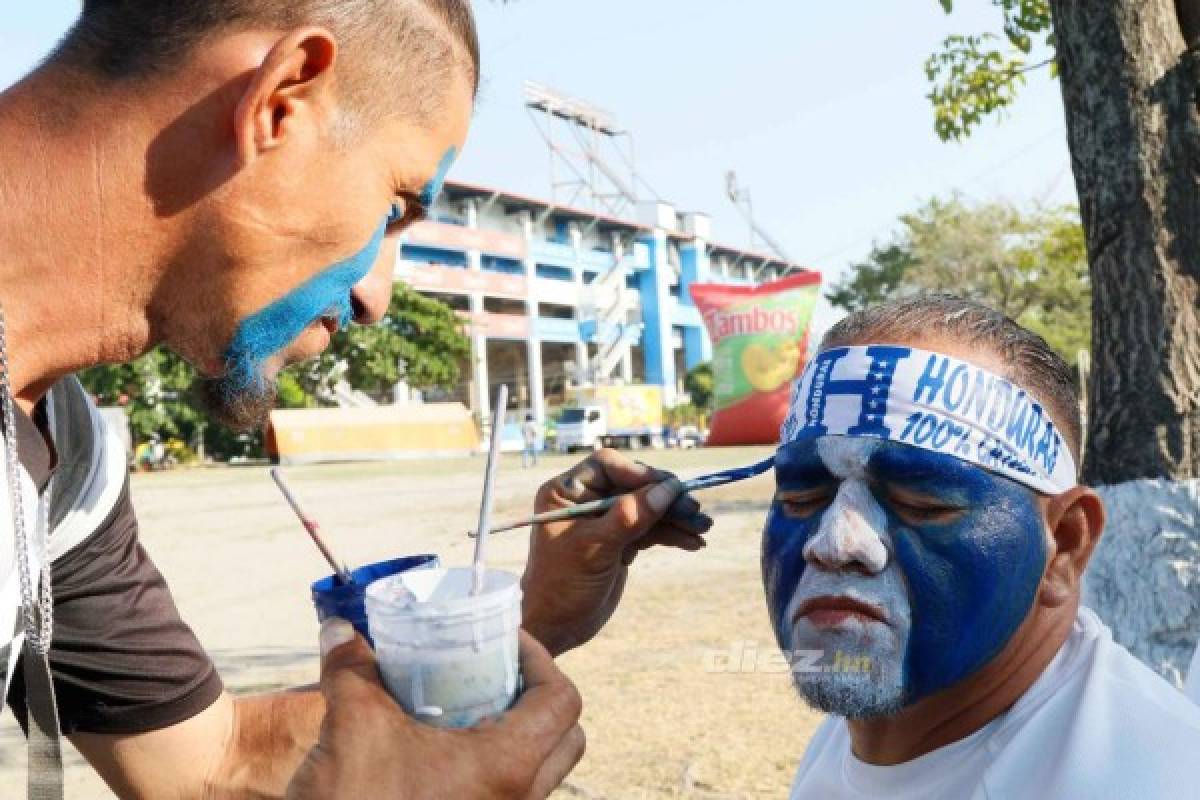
(872, 391)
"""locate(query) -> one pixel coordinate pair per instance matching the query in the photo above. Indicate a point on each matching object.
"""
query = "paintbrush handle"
(601, 506)
(593, 508)
(310, 525)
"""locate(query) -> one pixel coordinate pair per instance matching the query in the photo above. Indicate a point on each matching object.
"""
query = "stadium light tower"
(591, 158)
(740, 197)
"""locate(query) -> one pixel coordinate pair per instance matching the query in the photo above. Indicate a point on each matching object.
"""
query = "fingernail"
(335, 632)
(684, 507)
(663, 494)
(649, 470)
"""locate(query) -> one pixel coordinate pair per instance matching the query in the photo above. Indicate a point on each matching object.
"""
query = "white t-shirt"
(530, 431)
(1097, 725)
(1192, 687)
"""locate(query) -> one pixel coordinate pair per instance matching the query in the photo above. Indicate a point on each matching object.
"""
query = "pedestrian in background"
(529, 431)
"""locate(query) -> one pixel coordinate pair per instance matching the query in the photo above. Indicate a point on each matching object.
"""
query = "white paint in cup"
(449, 658)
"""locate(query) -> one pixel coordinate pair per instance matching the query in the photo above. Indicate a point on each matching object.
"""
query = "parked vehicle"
(628, 417)
(688, 436)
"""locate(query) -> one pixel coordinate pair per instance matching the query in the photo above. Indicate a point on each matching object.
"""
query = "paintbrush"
(339, 570)
(598, 507)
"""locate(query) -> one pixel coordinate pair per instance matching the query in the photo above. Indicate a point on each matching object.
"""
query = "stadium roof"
(458, 190)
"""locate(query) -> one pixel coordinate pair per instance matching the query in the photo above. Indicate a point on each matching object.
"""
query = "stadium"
(558, 296)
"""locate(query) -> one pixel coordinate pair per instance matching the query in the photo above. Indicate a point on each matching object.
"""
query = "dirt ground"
(665, 716)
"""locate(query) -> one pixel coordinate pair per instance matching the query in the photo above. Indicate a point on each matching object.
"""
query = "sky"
(820, 108)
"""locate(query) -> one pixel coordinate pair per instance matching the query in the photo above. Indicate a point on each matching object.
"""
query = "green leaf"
(976, 76)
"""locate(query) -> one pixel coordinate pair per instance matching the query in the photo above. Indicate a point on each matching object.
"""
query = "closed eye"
(803, 503)
(919, 509)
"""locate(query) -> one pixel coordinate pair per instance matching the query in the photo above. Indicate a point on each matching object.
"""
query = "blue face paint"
(797, 466)
(431, 190)
(265, 333)
(971, 581)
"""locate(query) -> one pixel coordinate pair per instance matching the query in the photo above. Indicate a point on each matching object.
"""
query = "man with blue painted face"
(922, 563)
(226, 178)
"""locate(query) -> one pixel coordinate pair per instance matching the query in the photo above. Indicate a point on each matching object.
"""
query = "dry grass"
(659, 724)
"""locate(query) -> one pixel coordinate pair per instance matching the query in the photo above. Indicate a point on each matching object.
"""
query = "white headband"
(935, 402)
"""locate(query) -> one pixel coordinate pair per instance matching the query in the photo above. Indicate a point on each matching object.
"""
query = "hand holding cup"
(368, 746)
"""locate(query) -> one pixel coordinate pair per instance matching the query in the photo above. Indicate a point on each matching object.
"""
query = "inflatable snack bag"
(760, 337)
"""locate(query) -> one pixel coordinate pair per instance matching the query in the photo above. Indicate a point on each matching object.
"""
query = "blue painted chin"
(971, 581)
(266, 332)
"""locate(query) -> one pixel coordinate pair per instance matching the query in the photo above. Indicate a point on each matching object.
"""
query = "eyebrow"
(921, 471)
(801, 466)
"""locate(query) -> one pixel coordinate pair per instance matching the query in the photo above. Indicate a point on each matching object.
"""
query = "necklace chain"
(37, 603)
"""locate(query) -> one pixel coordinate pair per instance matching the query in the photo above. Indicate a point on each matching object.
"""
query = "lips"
(831, 609)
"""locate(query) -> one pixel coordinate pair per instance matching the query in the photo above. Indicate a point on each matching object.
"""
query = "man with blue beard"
(929, 532)
(228, 179)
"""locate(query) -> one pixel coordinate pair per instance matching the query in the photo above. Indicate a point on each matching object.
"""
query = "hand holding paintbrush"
(598, 507)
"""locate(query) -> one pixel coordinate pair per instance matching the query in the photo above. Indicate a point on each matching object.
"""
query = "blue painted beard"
(243, 396)
(959, 589)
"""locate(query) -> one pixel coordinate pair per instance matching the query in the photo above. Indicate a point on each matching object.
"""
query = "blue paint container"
(334, 599)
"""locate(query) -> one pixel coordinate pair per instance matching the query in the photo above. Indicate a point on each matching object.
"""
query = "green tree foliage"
(874, 280)
(699, 384)
(1032, 266)
(424, 335)
(154, 390)
(976, 75)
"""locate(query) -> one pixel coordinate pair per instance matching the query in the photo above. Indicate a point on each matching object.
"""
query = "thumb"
(636, 513)
(347, 662)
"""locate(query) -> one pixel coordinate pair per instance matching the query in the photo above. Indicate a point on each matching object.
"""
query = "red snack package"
(760, 337)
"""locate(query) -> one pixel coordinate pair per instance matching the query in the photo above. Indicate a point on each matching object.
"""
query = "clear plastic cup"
(448, 658)
(333, 598)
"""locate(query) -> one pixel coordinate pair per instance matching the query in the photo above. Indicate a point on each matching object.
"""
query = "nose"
(851, 532)
(373, 294)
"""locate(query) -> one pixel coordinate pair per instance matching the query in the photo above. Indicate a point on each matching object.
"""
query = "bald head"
(394, 53)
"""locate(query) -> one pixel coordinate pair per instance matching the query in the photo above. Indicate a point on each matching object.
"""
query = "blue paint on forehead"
(266, 332)
(971, 582)
(432, 189)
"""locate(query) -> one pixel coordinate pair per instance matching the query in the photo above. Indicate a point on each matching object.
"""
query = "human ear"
(1075, 520)
(290, 90)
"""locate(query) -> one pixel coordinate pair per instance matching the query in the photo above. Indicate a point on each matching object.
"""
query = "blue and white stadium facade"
(560, 296)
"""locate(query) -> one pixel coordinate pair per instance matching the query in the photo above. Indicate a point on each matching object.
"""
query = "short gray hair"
(1031, 362)
(383, 40)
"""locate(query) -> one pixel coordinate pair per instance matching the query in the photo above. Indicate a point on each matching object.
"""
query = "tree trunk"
(1129, 86)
